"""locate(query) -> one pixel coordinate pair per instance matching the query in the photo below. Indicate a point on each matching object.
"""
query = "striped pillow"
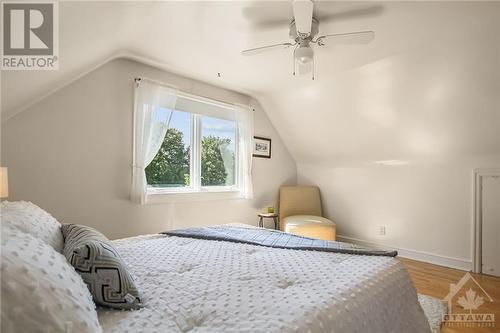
(100, 266)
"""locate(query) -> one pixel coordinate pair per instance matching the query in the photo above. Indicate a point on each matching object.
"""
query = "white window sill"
(158, 195)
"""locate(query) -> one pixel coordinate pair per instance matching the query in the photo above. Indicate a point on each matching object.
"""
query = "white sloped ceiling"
(428, 85)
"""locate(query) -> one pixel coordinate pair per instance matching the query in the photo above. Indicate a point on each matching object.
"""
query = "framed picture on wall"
(261, 147)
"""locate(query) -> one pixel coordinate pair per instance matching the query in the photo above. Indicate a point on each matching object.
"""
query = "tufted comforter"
(193, 285)
(274, 238)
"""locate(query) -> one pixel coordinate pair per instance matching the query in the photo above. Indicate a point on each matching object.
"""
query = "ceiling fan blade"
(266, 48)
(326, 11)
(360, 37)
(303, 14)
(268, 14)
(271, 24)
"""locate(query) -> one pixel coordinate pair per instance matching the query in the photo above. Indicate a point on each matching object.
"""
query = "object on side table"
(301, 214)
(4, 183)
(273, 216)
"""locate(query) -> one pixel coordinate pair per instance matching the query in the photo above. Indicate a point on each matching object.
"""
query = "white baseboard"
(413, 254)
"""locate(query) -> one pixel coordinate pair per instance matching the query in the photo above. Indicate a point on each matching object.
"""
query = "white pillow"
(33, 220)
(41, 292)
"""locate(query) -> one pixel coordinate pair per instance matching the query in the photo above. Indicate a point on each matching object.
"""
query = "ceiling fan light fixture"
(304, 54)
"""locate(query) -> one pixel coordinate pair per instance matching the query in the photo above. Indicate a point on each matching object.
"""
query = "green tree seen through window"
(171, 162)
(213, 170)
(170, 166)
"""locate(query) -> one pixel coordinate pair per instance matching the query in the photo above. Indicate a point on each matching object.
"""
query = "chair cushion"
(299, 200)
(310, 226)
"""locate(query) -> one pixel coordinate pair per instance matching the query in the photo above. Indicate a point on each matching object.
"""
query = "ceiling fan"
(304, 29)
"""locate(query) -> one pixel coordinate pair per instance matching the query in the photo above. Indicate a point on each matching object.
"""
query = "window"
(199, 151)
(188, 144)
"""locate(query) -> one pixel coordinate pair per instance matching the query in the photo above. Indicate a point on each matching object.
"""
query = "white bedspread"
(212, 286)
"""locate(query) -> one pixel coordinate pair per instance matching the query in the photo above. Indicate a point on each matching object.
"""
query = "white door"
(491, 225)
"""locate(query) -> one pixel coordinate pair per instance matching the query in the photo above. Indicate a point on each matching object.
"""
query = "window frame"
(195, 190)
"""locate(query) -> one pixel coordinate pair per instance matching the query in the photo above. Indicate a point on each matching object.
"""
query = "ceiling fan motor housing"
(314, 30)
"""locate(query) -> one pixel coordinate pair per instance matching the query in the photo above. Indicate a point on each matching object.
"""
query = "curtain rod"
(139, 79)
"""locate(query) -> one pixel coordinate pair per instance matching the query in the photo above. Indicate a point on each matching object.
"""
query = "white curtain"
(153, 109)
(244, 118)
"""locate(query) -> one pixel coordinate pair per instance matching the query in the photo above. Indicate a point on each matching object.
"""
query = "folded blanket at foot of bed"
(274, 238)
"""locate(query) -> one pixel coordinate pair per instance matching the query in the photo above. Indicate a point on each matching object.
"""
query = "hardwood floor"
(435, 281)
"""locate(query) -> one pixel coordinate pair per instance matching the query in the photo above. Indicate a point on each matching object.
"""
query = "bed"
(53, 276)
(196, 285)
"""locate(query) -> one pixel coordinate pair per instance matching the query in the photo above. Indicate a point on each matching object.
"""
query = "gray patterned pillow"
(100, 266)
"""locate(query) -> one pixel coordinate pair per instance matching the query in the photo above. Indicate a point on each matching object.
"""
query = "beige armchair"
(301, 214)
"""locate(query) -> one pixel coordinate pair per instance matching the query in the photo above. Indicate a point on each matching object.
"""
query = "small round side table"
(273, 216)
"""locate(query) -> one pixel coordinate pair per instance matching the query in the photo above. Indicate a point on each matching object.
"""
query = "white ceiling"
(427, 86)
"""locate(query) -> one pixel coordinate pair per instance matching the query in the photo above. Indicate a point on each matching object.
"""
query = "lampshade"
(304, 54)
(4, 183)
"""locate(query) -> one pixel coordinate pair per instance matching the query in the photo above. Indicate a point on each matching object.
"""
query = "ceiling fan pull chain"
(293, 60)
(313, 69)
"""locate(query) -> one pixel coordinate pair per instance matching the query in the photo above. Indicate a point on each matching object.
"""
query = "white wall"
(425, 206)
(425, 92)
(430, 109)
(71, 154)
